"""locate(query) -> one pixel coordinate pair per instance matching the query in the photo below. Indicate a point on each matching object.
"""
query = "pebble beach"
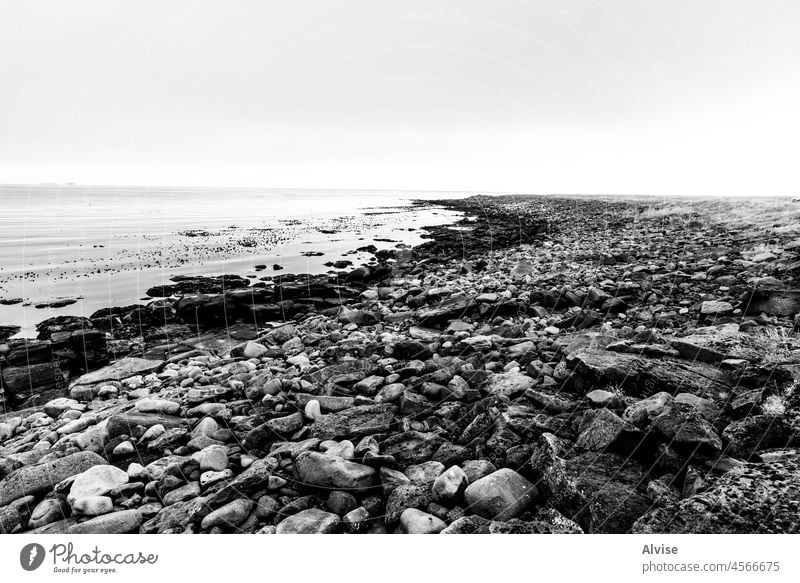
(542, 364)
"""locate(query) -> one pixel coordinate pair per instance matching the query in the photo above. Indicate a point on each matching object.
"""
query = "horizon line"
(386, 190)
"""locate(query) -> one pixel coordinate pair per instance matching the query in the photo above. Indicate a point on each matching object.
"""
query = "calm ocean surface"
(107, 245)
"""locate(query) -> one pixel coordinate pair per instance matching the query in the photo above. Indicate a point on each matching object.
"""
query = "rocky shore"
(548, 365)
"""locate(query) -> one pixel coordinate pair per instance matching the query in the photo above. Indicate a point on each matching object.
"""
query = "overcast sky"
(624, 96)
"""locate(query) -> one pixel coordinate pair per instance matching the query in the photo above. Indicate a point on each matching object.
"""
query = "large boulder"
(329, 471)
(125, 423)
(687, 431)
(249, 481)
(16, 514)
(311, 521)
(120, 370)
(602, 492)
(354, 422)
(122, 522)
(447, 310)
(40, 478)
(46, 328)
(745, 437)
(501, 495)
(603, 430)
(206, 309)
(7, 332)
(36, 383)
(412, 446)
(96, 481)
(749, 499)
(641, 376)
(510, 384)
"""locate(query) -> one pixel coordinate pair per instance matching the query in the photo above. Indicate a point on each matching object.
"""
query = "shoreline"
(562, 353)
(108, 266)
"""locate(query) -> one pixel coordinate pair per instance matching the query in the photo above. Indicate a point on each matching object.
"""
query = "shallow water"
(107, 245)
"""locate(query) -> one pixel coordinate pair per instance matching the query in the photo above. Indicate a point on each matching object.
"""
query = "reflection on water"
(106, 245)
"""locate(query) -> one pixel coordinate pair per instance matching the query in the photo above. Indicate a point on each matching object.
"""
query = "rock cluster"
(570, 366)
(33, 371)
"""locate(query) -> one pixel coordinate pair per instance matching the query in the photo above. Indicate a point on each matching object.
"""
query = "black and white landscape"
(409, 358)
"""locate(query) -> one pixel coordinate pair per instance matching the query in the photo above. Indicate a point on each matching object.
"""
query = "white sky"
(646, 96)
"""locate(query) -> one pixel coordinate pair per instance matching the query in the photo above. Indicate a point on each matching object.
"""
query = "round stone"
(415, 521)
(93, 505)
(213, 459)
(96, 481)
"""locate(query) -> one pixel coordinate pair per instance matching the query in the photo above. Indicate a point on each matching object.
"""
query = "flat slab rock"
(122, 369)
(753, 498)
(640, 376)
(42, 477)
(714, 344)
(124, 423)
(328, 471)
(354, 422)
